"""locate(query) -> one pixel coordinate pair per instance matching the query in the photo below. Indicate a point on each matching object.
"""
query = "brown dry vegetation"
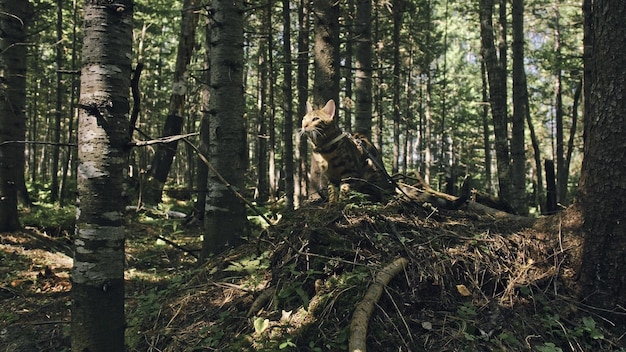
(473, 283)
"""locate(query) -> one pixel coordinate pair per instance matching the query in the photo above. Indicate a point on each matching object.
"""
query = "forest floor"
(466, 282)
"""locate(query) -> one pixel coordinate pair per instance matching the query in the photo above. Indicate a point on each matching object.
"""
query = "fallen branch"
(363, 310)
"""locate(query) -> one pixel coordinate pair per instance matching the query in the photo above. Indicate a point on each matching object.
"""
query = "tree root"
(363, 310)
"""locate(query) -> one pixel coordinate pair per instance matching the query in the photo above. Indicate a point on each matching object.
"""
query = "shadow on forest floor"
(472, 283)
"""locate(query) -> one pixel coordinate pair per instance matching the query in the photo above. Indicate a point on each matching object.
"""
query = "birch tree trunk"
(103, 136)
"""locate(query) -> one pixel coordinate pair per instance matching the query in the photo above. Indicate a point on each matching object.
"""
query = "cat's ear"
(309, 108)
(329, 108)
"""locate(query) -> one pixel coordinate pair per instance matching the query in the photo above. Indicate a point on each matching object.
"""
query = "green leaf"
(260, 325)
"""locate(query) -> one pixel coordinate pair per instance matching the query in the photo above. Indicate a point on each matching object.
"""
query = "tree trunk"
(561, 172)
(263, 186)
(98, 272)
(302, 83)
(518, 152)
(56, 151)
(398, 10)
(326, 52)
(347, 60)
(203, 170)
(363, 74)
(486, 130)
(539, 196)
(427, 102)
(288, 108)
(497, 96)
(12, 108)
(164, 155)
(602, 187)
(326, 62)
(225, 217)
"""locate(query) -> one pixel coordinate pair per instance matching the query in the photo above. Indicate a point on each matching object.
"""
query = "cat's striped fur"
(348, 161)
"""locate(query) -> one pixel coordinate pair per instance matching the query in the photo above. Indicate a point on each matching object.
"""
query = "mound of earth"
(461, 282)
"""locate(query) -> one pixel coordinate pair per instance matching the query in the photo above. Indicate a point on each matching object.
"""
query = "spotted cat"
(348, 161)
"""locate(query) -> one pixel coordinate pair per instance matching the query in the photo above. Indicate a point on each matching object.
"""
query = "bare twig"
(38, 142)
(226, 183)
(164, 140)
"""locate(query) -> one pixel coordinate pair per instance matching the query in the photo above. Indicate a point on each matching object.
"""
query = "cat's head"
(317, 123)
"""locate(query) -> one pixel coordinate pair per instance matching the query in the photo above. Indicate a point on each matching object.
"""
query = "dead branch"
(363, 310)
(41, 143)
(225, 182)
(164, 140)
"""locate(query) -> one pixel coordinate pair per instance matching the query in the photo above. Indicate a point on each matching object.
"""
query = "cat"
(349, 161)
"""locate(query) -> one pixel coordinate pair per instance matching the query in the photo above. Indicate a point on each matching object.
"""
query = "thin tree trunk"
(263, 186)
(288, 108)
(98, 271)
(203, 170)
(363, 74)
(427, 135)
(58, 107)
(398, 10)
(561, 172)
(539, 196)
(572, 135)
(347, 58)
(273, 168)
(486, 130)
(497, 97)
(164, 155)
(302, 82)
(518, 152)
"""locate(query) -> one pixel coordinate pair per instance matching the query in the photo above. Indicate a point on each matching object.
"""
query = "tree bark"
(561, 172)
(58, 107)
(225, 214)
(302, 83)
(103, 136)
(518, 151)
(13, 21)
(164, 155)
(262, 141)
(398, 10)
(602, 187)
(363, 73)
(497, 97)
(288, 108)
(326, 51)
(326, 62)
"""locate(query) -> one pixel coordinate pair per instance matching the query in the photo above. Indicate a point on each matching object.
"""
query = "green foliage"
(148, 308)
(52, 218)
